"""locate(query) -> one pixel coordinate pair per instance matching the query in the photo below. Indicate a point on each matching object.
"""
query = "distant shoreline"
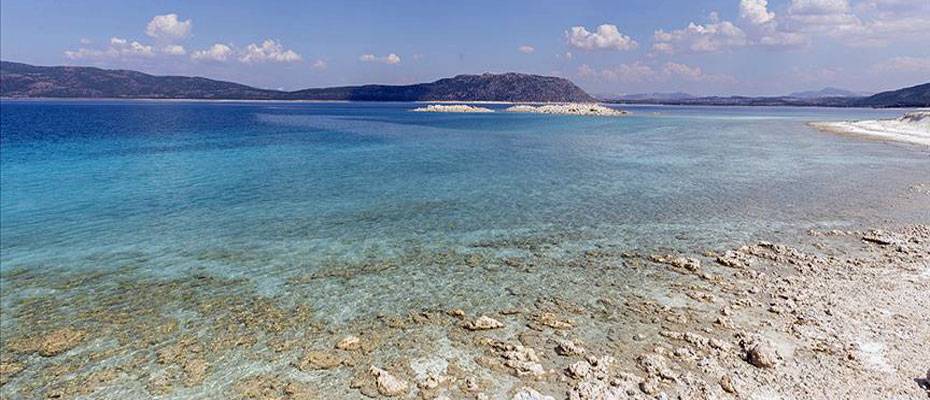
(656, 105)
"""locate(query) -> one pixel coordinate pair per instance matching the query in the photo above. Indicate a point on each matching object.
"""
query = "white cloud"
(711, 37)
(388, 59)
(525, 49)
(755, 11)
(168, 28)
(319, 65)
(268, 51)
(818, 7)
(904, 64)
(607, 37)
(218, 52)
(118, 48)
(174, 50)
(638, 73)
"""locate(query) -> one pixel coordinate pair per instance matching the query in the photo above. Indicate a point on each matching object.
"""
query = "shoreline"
(28, 99)
(912, 128)
(749, 321)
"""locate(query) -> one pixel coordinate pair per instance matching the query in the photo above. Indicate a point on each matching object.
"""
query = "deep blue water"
(287, 186)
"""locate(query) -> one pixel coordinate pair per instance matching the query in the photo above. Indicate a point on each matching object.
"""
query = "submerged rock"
(349, 343)
(483, 323)
(51, 344)
(318, 360)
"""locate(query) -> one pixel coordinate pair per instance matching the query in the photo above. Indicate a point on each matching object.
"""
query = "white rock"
(529, 394)
(388, 385)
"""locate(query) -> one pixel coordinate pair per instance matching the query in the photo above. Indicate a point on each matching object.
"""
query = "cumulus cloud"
(174, 50)
(118, 48)
(168, 28)
(388, 59)
(870, 23)
(755, 11)
(526, 49)
(710, 37)
(606, 37)
(268, 51)
(218, 52)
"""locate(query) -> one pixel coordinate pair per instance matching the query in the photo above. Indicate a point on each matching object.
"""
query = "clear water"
(273, 193)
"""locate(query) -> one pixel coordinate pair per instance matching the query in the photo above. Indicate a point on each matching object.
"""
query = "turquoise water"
(280, 196)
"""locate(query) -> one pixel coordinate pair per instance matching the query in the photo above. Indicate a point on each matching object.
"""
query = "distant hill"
(914, 96)
(655, 96)
(486, 87)
(825, 92)
(23, 80)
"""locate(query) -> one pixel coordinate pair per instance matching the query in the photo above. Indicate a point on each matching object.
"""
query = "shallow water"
(358, 210)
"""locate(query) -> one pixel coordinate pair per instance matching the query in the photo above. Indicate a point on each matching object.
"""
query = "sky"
(702, 47)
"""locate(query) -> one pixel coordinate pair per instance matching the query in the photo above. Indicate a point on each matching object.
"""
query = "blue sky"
(702, 47)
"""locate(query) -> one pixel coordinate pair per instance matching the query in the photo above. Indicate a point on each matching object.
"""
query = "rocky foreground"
(836, 314)
(912, 127)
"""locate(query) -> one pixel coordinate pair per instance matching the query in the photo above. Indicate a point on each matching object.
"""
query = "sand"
(913, 127)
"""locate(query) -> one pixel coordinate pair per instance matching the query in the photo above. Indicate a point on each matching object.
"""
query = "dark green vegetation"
(22, 80)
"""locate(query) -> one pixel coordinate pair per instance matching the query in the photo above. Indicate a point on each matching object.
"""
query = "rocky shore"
(452, 108)
(912, 127)
(832, 314)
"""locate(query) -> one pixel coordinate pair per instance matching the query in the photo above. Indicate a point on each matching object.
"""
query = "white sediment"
(591, 109)
(452, 108)
(913, 127)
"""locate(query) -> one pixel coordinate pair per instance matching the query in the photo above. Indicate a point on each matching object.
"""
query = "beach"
(913, 127)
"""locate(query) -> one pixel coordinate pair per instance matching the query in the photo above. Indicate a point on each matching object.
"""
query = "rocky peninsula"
(586, 109)
(912, 127)
(452, 108)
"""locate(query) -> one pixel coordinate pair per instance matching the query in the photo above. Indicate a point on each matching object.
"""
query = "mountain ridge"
(24, 80)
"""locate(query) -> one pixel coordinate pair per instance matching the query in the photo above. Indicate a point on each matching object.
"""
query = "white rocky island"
(913, 127)
(588, 109)
(452, 108)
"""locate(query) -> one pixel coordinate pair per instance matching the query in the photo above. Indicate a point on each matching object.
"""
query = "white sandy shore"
(913, 127)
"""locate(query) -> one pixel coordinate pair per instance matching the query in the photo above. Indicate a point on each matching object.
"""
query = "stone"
(552, 321)
(759, 352)
(483, 323)
(726, 383)
(318, 360)
(529, 394)
(569, 348)
(349, 343)
(196, 371)
(579, 370)
(650, 386)
(388, 385)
